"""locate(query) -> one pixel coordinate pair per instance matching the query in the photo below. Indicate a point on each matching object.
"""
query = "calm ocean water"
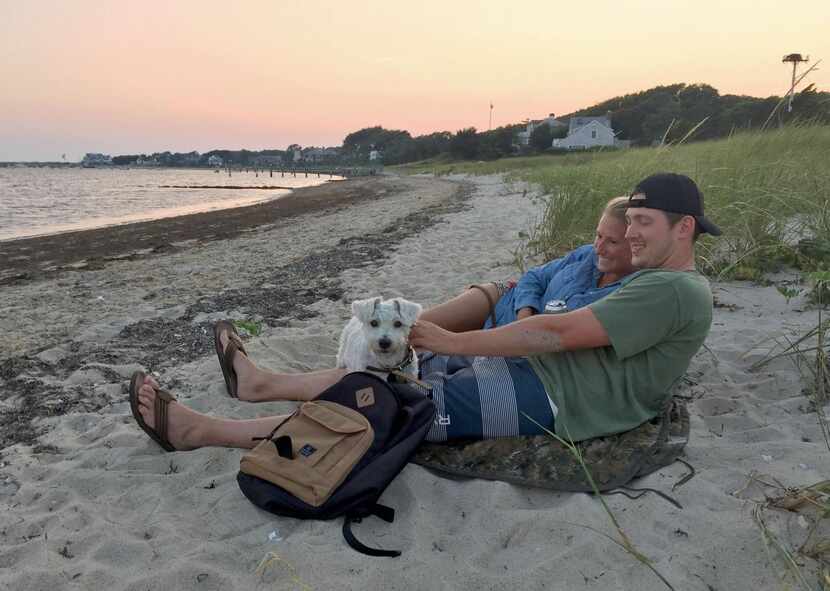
(36, 201)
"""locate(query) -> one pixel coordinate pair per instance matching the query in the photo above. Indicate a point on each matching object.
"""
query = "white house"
(214, 160)
(147, 161)
(523, 137)
(93, 159)
(590, 132)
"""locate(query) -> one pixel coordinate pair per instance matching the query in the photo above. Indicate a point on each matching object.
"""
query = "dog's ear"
(408, 311)
(363, 309)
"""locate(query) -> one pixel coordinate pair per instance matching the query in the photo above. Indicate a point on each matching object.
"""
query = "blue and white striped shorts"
(485, 397)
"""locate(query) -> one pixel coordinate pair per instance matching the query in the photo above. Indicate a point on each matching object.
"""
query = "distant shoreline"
(40, 201)
(147, 216)
(31, 257)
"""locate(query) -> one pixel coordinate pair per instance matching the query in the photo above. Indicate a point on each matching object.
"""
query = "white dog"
(377, 336)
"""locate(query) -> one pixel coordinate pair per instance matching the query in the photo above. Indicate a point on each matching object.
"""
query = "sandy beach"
(88, 501)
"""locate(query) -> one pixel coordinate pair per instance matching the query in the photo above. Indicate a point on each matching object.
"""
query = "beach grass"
(810, 354)
(624, 540)
(272, 559)
(768, 191)
(812, 505)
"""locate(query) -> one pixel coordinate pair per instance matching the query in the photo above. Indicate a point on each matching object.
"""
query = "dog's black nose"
(385, 343)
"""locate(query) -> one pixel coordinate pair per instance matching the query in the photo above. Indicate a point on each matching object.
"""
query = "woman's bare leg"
(265, 385)
(255, 384)
(188, 429)
(466, 311)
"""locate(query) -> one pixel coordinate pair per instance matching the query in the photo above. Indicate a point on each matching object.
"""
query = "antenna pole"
(795, 59)
(792, 89)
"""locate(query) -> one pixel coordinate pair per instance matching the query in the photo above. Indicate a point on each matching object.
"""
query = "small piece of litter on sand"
(274, 536)
(766, 458)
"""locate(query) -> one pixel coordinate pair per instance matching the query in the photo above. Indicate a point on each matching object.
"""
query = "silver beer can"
(556, 307)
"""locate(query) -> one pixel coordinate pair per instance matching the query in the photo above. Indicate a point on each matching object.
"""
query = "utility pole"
(795, 59)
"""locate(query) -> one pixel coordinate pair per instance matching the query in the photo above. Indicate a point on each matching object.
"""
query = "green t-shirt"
(656, 321)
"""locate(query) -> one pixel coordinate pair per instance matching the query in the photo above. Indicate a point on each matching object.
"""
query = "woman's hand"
(425, 335)
(525, 312)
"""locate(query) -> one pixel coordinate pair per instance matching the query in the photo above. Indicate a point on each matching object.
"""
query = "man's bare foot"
(183, 424)
(244, 369)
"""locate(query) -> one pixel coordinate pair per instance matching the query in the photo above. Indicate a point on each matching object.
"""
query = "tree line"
(663, 113)
(673, 111)
(235, 157)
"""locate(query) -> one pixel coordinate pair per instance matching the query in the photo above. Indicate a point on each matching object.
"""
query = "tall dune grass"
(766, 190)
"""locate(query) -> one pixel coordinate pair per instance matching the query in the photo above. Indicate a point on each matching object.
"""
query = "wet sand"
(30, 258)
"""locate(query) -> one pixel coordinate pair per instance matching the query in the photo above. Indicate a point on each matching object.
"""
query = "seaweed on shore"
(159, 343)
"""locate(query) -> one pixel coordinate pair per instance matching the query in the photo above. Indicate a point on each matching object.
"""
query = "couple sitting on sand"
(635, 312)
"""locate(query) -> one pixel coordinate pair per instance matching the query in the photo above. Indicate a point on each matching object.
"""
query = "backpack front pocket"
(311, 453)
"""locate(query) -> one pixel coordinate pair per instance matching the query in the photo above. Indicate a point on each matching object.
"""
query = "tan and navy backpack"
(337, 454)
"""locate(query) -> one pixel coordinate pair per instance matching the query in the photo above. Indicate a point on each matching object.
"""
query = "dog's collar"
(399, 372)
(407, 360)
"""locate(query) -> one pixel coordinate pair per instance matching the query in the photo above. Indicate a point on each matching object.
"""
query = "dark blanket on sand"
(544, 462)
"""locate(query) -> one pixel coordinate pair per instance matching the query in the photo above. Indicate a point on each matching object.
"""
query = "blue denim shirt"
(572, 278)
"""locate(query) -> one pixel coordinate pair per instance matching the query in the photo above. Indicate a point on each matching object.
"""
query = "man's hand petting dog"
(426, 336)
(377, 336)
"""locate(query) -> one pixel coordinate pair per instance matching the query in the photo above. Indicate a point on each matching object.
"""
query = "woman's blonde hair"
(616, 208)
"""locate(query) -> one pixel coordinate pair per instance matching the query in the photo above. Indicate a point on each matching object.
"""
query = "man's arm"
(545, 333)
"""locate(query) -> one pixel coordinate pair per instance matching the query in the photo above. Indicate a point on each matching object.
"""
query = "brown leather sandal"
(226, 356)
(163, 400)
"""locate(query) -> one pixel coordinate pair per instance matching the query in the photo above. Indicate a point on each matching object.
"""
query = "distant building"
(523, 137)
(214, 160)
(147, 161)
(374, 155)
(313, 155)
(320, 155)
(267, 160)
(590, 132)
(92, 159)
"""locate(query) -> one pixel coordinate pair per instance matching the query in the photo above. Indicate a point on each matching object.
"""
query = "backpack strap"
(385, 513)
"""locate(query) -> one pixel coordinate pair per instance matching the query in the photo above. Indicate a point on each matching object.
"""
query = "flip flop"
(163, 399)
(226, 356)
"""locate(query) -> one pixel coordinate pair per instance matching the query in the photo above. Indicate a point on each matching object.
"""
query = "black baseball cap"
(672, 192)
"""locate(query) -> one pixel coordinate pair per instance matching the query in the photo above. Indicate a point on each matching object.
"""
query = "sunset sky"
(140, 77)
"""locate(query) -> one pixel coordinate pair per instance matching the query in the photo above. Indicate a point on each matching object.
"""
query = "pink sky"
(90, 76)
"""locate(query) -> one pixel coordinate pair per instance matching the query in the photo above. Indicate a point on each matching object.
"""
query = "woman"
(582, 276)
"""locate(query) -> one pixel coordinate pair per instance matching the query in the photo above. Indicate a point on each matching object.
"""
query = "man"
(609, 367)
(599, 370)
